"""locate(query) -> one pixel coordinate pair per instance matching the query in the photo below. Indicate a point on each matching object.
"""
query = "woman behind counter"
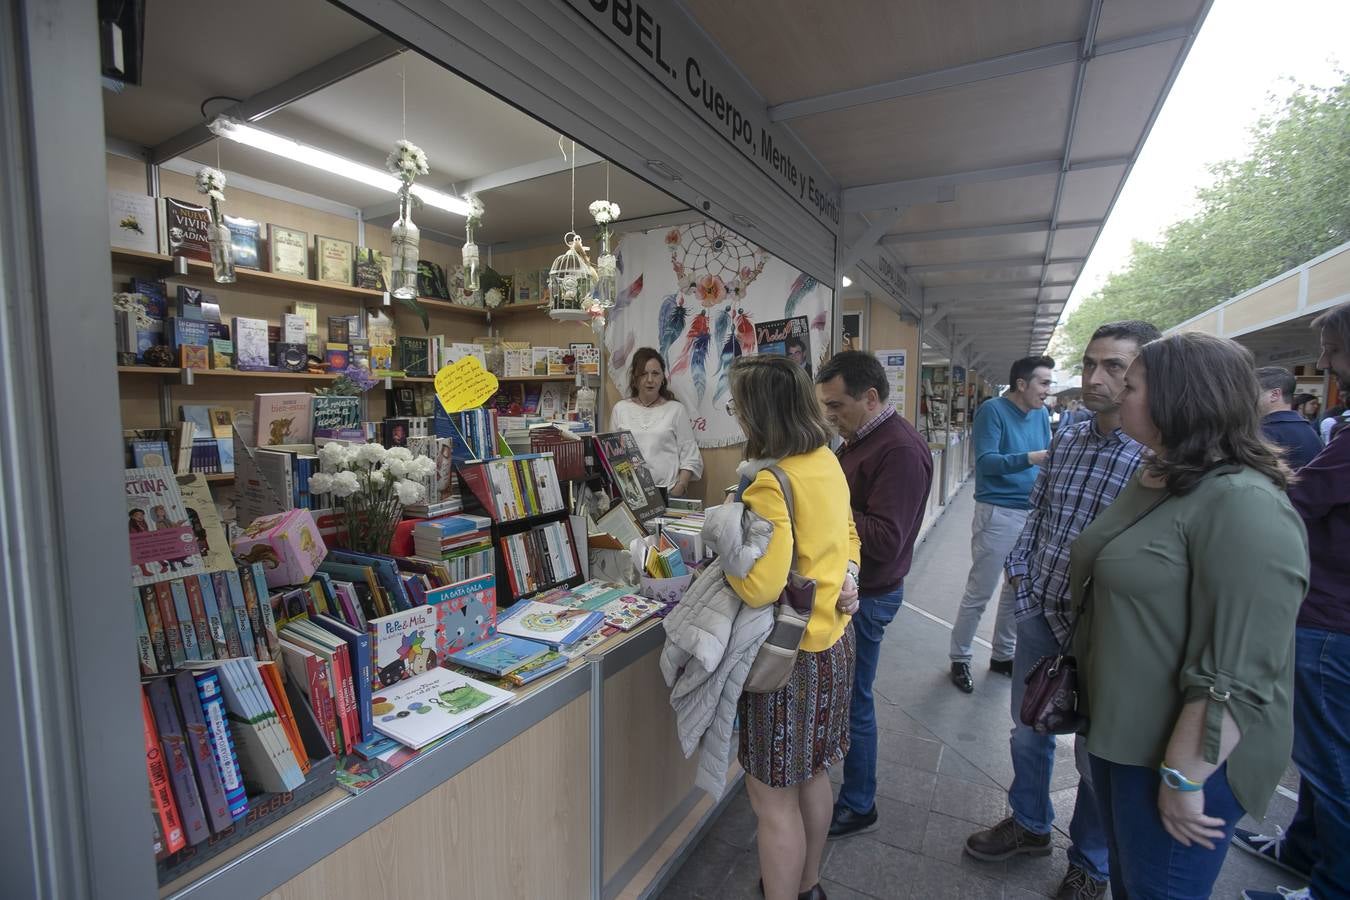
(1196, 575)
(659, 423)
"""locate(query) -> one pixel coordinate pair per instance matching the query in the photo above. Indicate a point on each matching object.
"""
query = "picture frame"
(288, 251)
(334, 260)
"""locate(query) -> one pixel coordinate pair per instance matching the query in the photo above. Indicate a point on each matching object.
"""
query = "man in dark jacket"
(889, 470)
(1281, 425)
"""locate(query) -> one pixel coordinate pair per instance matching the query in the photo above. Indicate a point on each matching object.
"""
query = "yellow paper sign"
(465, 385)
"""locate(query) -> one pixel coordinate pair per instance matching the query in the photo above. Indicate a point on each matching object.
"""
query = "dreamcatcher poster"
(698, 294)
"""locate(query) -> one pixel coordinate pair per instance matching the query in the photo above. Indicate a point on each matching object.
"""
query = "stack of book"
(539, 558)
(461, 544)
(547, 623)
(514, 487)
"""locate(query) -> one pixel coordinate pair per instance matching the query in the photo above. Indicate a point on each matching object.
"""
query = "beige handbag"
(773, 665)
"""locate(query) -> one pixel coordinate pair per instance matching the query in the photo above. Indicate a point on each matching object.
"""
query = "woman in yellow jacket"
(790, 737)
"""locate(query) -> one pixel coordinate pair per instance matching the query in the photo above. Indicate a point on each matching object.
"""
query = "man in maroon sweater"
(1316, 844)
(889, 470)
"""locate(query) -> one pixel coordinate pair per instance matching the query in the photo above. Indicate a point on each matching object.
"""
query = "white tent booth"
(956, 162)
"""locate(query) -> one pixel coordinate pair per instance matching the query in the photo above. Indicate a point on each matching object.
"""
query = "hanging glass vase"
(406, 239)
(470, 259)
(607, 272)
(571, 281)
(222, 246)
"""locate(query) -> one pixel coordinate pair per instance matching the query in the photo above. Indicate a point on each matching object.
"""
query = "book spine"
(161, 794)
(197, 608)
(214, 624)
(361, 651)
(271, 681)
(267, 619)
(321, 698)
(173, 633)
(145, 651)
(240, 607)
(258, 646)
(346, 696)
(178, 760)
(222, 742)
(199, 748)
(185, 626)
(158, 642)
(225, 613)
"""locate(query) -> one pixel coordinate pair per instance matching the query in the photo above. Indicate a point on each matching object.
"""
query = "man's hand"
(1038, 457)
(848, 596)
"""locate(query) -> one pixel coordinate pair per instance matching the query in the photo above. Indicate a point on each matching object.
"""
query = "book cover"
(312, 678)
(212, 700)
(245, 241)
(557, 626)
(358, 655)
(628, 474)
(372, 269)
(549, 662)
(412, 355)
(337, 418)
(283, 418)
(159, 643)
(420, 710)
(294, 328)
(189, 302)
(184, 229)
(499, 655)
(560, 361)
(629, 611)
(251, 349)
(194, 356)
(201, 627)
(402, 645)
(161, 793)
(333, 260)
(289, 251)
(145, 650)
(131, 221)
(178, 760)
(466, 612)
(207, 773)
(162, 542)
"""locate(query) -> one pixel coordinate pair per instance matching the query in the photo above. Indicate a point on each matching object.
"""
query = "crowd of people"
(1183, 541)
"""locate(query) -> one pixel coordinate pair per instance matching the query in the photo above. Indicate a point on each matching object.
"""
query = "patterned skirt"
(801, 729)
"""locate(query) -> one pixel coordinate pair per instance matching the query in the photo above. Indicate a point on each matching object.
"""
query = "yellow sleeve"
(767, 577)
(854, 542)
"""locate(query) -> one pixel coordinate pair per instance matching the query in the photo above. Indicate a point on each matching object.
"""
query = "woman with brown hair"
(659, 423)
(790, 737)
(1188, 586)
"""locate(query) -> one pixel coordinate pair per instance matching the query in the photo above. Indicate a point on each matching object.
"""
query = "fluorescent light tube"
(331, 162)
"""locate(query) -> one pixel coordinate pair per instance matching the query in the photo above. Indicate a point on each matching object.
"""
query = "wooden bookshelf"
(535, 379)
(235, 373)
(220, 478)
(268, 282)
(148, 370)
(458, 309)
(521, 309)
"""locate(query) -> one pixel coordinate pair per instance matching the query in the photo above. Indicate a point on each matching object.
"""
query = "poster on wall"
(698, 294)
(786, 337)
(893, 361)
(853, 338)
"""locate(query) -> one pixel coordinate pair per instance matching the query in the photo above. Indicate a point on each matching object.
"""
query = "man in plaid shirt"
(1089, 464)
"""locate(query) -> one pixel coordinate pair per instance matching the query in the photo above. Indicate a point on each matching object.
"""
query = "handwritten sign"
(465, 385)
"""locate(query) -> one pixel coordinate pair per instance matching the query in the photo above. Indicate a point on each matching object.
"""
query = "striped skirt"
(800, 730)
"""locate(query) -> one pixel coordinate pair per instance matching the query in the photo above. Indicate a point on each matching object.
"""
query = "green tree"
(1285, 203)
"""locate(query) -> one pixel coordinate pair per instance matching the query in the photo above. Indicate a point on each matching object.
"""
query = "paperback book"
(162, 542)
(499, 655)
(420, 710)
(556, 626)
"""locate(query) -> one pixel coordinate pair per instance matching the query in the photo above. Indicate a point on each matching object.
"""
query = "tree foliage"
(1285, 203)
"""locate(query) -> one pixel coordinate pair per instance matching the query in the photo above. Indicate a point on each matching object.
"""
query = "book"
(245, 241)
(206, 771)
(283, 418)
(358, 655)
(178, 760)
(412, 356)
(403, 645)
(267, 762)
(466, 613)
(194, 356)
(420, 710)
(372, 269)
(288, 251)
(337, 418)
(131, 221)
(333, 260)
(184, 229)
(531, 671)
(629, 611)
(212, 701)
(161, 793)
(162, 542)
(149, 453)
(313, 680)
(293, 328)
(251, 350)
(145, 650)
(556, 626)
(310, 313)
(628, 475)
(159, 645)
(499, 655)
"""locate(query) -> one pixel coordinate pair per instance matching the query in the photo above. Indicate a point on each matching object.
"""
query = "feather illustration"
(726, 343)
(818, 323)
(670, 321)
(699, 328)
(800, 288)
(745, 334)
(628, 294)
(619, 357)
(700, 356)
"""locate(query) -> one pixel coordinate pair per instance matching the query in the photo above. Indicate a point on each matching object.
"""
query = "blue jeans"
(1146, 862)
(875, 612)
(1033, 758)
(1320, 832)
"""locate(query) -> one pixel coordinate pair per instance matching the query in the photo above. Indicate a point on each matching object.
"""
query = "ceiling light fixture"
(846, 281)
(271, 142)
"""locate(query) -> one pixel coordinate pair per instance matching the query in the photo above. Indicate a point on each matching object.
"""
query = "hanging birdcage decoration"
(571, 282)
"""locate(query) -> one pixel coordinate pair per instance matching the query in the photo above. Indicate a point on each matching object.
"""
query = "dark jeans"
(1146, 862)
(1320, 833)
(875, 612)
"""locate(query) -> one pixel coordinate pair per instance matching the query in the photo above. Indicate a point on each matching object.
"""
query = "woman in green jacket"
(1192, 581)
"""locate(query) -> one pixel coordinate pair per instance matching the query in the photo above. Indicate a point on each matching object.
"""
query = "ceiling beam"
(869, 238)
(1041, 57)
(917, 190)
(979, 231)
(264, 103)
(1011, 263)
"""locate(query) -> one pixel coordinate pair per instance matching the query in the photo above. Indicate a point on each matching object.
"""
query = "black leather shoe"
(1001, 666)
(816, 893)
(847, 823)
(961, 677)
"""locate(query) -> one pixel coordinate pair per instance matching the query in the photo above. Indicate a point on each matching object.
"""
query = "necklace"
(649, 405)
(648, 416)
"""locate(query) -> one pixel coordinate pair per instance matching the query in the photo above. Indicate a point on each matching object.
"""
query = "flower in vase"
(409, 492)
(378, 478)
(211, 182)
(334, 455)
(423, 467)
(407, 161)
(604, 212)
(476, 210)
(398, 453)
(397, 467)
(345, 484)
(321, 482)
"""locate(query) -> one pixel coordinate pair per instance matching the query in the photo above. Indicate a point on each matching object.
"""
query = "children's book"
(466, 613)
(162, 542)
(630, 610)
(204, 518)
(549, 662)
(402, 645)
(420, 710)
(557, 626)
(286, 418)
(499, 655)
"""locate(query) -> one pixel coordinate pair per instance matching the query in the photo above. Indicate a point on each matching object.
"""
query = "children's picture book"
(286, 418)
(500, 655)
(162, 543)
(422, 709)
(630, 610)
(402, 646)
(204, 519)
(466, 613)
(557, 626)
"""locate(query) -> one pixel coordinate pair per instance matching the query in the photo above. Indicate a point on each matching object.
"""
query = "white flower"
(423, 467)
(398, 453)
(371, 454)
(409, 492)
(378, 478)
(211, 182)
(335, 455)
(345, 484)
(476, 208)
(398, 467)
(407, 161)
(320, 483)
(604, 212)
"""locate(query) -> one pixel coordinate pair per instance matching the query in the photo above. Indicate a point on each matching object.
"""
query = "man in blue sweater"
(1012, 437)
(1281, 425)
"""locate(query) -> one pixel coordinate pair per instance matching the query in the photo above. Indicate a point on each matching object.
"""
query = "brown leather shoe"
(1007, 839)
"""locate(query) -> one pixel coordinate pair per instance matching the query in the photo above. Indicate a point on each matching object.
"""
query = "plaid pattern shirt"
(1082, 477)
(886, 413)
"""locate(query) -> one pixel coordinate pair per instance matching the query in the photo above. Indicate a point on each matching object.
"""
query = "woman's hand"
(1183, 815)
(848, 596)
(678, 489)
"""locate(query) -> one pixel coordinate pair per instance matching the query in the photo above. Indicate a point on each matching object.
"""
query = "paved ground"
(943, 771)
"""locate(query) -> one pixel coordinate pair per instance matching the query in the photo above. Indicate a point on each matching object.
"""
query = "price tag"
(465, 385)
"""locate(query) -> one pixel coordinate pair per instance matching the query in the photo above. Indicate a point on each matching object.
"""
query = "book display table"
(576, 789)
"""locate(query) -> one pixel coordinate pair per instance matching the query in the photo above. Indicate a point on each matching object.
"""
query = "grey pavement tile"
(945, 839)
(1016, 893)
(891, 718)
(737, 824)
(1039, 875)
(837, 891)
(972, 802)
(954, 765)
(1242, 871)
(869, 866)
(933, 879)
(906, 749)
(908, 785)
(899, 824)
(705, 871)
(743, 881)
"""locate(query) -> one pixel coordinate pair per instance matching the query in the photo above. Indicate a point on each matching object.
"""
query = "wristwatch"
(1174, 779)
